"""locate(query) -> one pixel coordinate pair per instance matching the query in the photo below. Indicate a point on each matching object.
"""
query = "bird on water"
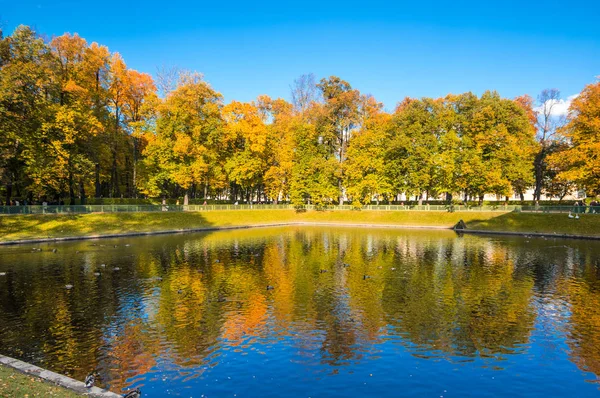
(137, 393)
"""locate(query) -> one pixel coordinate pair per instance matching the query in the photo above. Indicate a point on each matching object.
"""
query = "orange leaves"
(526, 103)
(138, 86)
(581, 161)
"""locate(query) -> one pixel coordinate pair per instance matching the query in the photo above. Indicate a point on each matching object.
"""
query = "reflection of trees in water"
(133, 351)
(583, 327)
(183, 299)
(474, 309)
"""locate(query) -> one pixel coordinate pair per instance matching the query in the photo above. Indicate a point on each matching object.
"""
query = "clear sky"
(388, 49)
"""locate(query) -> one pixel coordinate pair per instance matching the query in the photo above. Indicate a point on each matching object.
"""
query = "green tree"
(25, 91)
(365, 166)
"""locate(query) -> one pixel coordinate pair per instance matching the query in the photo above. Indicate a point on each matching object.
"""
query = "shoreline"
(527, 234)
(66, 382)
(297, 223)
(217, 228)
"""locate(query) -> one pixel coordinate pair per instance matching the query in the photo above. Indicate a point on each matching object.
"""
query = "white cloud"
(557, 107)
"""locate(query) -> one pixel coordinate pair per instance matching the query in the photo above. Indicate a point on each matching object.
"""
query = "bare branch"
(304, 92)
(547, 123)
(167, 79)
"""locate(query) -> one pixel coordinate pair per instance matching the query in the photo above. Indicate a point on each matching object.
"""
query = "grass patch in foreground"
(14, 384)
(55, 226)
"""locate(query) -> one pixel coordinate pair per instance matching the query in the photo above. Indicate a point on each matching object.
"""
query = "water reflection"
(424, 311)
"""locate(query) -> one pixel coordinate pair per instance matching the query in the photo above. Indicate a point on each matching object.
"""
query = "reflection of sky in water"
(189, 315)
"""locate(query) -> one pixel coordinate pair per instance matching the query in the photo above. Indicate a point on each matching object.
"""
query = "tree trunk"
(97, 182)
(71, 191)
(115, 175)
(8, 192)
(186, 198)
(539, 174)
(82, 191)
(341, 160)
(134, 167)
(116, 191)
(128, 189)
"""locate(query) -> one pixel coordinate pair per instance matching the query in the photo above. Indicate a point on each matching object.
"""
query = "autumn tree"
(553, 185)
(413, 147)
(245, 139)
(580, 162)
(314, 172)
(365, 168)
(117, 91)
(73, 124)
(139, 89)
(25, 82)
(281, 143)
(74, 119)
(547, 124)
(183, 150)
(95, 79)
(500, 144)
(337, 121)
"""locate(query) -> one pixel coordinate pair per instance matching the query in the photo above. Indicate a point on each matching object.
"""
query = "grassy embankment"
(14, 384)
(586, 225)
(55, 226)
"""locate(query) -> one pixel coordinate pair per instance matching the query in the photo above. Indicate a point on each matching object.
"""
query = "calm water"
(191, 316)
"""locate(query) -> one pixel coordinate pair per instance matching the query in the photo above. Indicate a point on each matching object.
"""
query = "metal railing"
(83, 209)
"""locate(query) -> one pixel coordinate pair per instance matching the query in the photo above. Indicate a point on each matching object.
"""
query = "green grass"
(14, 384)
(587, 225)
(54, 226)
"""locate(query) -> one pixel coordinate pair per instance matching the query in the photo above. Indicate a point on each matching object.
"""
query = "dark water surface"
(190, 315)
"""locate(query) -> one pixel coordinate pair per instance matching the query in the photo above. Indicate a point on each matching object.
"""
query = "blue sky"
(388, 49)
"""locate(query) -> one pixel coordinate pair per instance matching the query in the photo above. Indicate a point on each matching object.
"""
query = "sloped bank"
(48, 228)
(37, 227)
(587, 226)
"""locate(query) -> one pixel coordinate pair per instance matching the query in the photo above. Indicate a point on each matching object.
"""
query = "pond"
(310, 312)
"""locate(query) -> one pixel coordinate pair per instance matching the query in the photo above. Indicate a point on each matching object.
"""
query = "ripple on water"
(437, 315)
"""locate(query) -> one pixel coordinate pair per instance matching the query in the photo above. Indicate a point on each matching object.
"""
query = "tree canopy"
(77, 122)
